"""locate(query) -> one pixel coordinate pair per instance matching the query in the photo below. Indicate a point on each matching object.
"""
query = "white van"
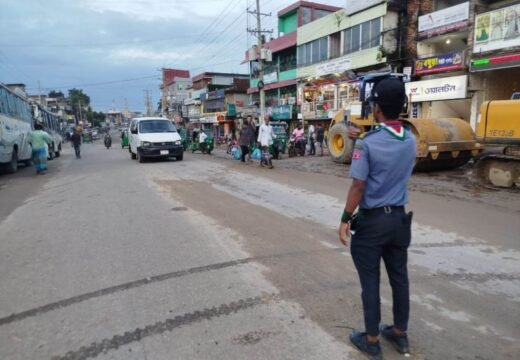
(154, 138)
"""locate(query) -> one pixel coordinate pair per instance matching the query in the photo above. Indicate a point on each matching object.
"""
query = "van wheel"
(132, 155)
(140, 158)
(179, 158)
(51, 153)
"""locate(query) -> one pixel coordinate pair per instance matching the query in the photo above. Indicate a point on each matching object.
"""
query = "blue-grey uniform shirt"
(385, 163)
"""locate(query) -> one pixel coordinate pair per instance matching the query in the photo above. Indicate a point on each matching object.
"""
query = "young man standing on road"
(265, 138)
(247, 135)
(382, 164)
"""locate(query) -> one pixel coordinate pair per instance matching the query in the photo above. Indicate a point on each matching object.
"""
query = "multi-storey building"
(280, 74)
(335, 49)
(216, 100)
(174, 89)
(494, 52)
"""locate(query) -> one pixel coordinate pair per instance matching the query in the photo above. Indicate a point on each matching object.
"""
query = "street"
(206, 258)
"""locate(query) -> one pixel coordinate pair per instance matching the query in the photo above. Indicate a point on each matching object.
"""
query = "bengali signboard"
(439, 63)
(454, 87)
(497, 29)
(271, 78)
(443, 21)
(281, 112)
(331, 67)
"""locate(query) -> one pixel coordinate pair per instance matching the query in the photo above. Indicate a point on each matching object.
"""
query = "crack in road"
(146, 281)
(114, 289)
(113, 343)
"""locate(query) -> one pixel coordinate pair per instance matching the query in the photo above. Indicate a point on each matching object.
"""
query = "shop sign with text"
(332, 67)
(270, 78)
(454, 87)
(281, 112)
(439, 63)
(498, 29)
(498, 62)
(443, 21)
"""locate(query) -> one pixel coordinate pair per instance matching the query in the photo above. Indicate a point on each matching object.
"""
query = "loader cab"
(366, 87)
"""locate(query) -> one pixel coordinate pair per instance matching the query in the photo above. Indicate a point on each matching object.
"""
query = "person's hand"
(344, 234)
(353, 132)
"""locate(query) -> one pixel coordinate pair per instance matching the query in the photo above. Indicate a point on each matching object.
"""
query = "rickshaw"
(207, 146)
(124, 138)
(280, 141)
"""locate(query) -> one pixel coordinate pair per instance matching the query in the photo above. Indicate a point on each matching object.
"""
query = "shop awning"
(273, 86)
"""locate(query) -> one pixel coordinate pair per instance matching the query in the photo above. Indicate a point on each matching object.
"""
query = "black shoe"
(399, 342)
(360, 340)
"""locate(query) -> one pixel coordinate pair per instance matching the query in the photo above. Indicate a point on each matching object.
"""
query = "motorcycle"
(108, 141)
(296, 147)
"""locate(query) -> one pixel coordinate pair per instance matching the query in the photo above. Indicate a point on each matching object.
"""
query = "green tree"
(76, 99)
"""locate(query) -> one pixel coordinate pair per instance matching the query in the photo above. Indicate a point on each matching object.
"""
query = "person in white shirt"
(202, 140)
(265, 138)
(312, 146)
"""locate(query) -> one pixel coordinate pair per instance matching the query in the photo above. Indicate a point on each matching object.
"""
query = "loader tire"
(339, 144)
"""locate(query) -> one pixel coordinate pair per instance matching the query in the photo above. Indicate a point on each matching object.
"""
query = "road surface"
(106, 258)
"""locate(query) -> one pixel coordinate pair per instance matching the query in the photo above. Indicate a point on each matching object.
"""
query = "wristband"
(346, 217)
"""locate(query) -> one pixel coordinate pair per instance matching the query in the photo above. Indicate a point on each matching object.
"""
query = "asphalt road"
(207, 258)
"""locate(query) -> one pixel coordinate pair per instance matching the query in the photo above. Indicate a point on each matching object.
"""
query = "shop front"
(495, 65)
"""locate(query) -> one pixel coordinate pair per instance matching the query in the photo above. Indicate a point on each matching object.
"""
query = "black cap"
(389, 92)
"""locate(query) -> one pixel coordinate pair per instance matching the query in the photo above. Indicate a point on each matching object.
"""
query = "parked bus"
(15, 127)
(51, 124)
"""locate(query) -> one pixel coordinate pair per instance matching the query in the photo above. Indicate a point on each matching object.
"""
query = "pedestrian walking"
(310, 135)
(265, 138)
(320, 133)
(382, 164)
(76, 142)
(247, 135)
(39, 141)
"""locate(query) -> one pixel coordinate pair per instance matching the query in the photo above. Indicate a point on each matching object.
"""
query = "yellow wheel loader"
(442, 144)
(498, 127)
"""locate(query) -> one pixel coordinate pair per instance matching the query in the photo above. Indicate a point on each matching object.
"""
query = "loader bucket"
(443, 144)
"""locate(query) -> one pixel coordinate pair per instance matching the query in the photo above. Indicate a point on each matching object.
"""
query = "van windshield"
(156, 126)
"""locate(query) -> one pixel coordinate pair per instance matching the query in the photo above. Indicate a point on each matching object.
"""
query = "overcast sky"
(114, 49)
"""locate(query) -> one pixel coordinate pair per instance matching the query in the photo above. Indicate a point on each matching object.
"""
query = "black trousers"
(77, 150)
(379, 234)
(245, 151)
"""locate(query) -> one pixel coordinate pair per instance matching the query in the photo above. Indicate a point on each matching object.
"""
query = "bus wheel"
(12, 166)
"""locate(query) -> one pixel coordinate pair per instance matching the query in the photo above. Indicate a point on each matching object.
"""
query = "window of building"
(308, 54)
(335, 45)
(306, 15)
(365, 35)
(347, 41)
(375, 32)
(320, 13)
(355, 41)
(324, 48)
(315, 51)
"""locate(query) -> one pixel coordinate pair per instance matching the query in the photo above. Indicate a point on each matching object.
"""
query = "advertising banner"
(439, 63)
(281, 112)
(443, 21)
(454, 87)
(270, 78)
(497, 29)
(332, 67)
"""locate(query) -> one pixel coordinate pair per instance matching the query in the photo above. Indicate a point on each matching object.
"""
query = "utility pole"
(80, 115)
(148, 103)
(40, 93)
(258, 31)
